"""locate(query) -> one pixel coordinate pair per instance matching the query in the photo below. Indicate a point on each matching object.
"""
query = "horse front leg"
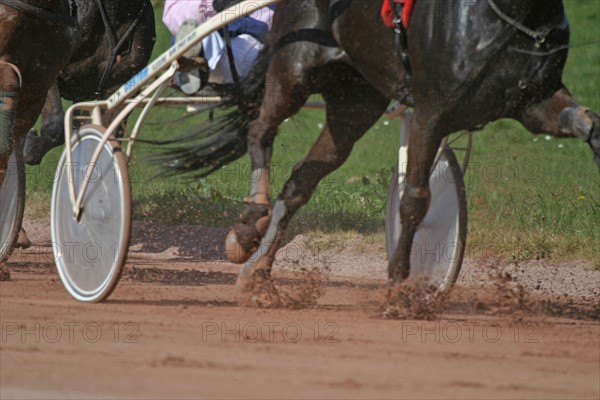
(422, 149)
(277, 105)
(244, 238)
(561, 116)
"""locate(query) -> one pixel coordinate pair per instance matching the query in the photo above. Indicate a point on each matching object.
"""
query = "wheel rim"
(90, 252)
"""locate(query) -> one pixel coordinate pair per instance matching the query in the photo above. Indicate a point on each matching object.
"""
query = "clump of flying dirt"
(414, 299)
(4, 273)
(259, 291)
(303, 291)
(500, 294)
(508, 296)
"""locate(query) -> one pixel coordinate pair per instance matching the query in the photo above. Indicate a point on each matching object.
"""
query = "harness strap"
(114, 47)
(38, 12)
(539, 37)
(401, 38)
(234, 73)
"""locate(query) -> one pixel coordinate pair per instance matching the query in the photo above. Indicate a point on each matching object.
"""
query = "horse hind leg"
(10, 89)
(351, 111)
(561, 116)
(52, 132)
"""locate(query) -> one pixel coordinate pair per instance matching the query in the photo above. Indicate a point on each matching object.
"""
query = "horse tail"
(218, 141)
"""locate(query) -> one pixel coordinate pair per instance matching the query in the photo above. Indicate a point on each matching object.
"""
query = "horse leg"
(561, 116)
(277, 105)
(352, 108)
(10, 89)
(52, 131)
(424, 142)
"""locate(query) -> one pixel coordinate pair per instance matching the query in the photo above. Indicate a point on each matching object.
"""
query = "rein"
(40, 13)
(538, 36)
(113, 45)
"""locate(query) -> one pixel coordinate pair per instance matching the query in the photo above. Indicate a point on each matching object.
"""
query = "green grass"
(528, 197)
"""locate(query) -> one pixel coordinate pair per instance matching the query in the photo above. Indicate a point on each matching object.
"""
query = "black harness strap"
(230, 56)
(401, 39)
(114, 47)
(538, 36)
(40, 13)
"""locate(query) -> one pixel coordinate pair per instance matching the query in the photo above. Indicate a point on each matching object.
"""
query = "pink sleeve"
(177, 11)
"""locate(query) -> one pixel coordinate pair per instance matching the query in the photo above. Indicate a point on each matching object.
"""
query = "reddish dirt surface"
(173, 328)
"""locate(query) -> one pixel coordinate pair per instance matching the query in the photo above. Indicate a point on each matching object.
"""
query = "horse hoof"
(23, 241)
(4, 273)
(235, 252)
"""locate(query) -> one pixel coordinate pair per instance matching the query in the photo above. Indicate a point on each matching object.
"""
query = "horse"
(74, 49)
(471, 63)
(26, 73)
(115, 40)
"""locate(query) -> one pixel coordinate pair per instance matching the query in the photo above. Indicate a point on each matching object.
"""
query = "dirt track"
(174, 329)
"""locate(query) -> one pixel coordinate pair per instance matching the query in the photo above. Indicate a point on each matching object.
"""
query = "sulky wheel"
(12, 204)
(439, 242)
(90, 246)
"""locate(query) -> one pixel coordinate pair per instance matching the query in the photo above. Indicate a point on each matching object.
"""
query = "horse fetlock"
(34, 148)
(253, 213)
(398, 273)
(414, 205)
(53, 131)
(257, 217)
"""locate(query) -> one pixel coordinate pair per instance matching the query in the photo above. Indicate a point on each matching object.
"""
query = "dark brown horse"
(472, 62)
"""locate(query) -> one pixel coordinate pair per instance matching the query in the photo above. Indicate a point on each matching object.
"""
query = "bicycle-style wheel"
(90, 248)
(12, 204)
(439, 243)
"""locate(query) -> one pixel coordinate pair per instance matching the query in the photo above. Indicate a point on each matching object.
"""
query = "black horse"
(77, 49)
(472, 62)
(114, 41)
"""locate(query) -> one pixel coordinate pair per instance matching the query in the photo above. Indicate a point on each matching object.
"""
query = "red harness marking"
(387, 14)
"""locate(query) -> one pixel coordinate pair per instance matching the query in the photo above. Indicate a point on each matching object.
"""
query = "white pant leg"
(245, 50)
